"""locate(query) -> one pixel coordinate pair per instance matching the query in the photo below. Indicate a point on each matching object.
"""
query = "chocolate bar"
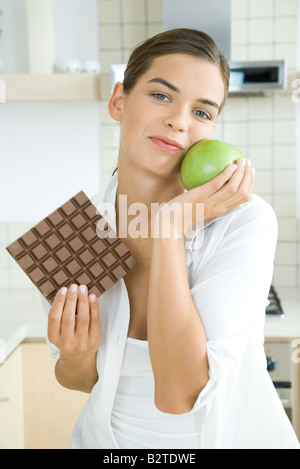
(67, 247)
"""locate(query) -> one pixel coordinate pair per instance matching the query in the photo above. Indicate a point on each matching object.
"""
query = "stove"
(274, 308)
(278, 355)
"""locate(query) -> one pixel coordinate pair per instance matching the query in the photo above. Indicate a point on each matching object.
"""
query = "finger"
(55, 315)
(218, 182)
(230, 188)
(239, 173)
(247, 183)
(213, 186)
(244, 190)
(83, 314)
(69, 311)
(94, 329)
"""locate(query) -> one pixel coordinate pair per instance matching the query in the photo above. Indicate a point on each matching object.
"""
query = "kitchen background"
(74, 145)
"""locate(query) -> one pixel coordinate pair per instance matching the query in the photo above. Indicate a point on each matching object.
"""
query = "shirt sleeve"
(231, 281)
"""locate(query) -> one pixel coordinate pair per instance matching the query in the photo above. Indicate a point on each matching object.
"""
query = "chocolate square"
(63, 254)
(66, 231)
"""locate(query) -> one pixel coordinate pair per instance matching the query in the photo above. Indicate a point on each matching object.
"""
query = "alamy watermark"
(2, 92)
(137, 222)
(296, 352)
(296, 93)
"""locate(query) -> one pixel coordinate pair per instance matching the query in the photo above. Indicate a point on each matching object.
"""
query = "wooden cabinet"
(35, 412)
(50, 411)
(57, 87)
(11, 403)
(286, 373)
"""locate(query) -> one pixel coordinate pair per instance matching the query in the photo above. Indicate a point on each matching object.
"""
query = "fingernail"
(248, 161)
(93, 298)
(63, 290)
(253, 169)
(82, 289)
(233, 167)
(73, 287)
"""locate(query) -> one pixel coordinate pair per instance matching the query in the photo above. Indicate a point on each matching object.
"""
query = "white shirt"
(136, 422)
(229, 274)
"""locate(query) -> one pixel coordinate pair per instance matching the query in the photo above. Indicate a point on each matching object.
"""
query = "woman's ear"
(115, 105)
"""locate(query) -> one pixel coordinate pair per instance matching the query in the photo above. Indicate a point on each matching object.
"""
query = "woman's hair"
(176, 41)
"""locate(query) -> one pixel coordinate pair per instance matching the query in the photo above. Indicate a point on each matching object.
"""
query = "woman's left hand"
(228, 190)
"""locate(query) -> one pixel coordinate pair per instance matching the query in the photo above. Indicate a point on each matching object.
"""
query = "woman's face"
(172, 106)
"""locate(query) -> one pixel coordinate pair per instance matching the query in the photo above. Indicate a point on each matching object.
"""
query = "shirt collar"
(105, 201)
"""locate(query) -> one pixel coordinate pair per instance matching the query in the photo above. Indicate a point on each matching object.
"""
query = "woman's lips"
(166, 144)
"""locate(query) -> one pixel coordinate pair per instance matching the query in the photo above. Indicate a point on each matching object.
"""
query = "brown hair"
(175, 41)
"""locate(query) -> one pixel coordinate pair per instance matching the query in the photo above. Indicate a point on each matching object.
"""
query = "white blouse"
(136, 422)
(230, 267)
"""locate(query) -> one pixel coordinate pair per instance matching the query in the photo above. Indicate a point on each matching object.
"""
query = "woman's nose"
(177, 120)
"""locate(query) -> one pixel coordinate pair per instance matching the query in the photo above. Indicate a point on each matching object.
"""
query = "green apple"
(205, 160)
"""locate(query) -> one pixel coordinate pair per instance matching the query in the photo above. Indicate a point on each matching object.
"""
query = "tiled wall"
(264, 128)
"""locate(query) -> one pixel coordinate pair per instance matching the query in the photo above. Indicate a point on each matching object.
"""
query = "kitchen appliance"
(279, 365)
(274, 306)
(215, 18)
(257, 76)
(279, 358)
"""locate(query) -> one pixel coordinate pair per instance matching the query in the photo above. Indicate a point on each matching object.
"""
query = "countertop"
(22, 317)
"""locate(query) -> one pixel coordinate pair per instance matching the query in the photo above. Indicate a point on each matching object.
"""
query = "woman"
(180, 361)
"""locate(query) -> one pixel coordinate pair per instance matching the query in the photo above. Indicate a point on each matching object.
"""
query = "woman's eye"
(161, 96)
(202, 114)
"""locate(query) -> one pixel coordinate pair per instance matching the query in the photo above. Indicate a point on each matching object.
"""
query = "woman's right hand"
(73, 324)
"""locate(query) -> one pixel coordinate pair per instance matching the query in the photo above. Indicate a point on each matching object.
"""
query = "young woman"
(180, 361)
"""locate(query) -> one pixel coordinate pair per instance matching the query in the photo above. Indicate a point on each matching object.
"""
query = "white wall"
(76, 24)
(13, 43)
(48, 152)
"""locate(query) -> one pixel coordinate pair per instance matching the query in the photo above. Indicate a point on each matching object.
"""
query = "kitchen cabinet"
(50, 410)
(290, 396)
(11, 402)
(35, 411)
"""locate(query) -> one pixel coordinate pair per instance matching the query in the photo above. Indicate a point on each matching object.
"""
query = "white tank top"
(136, 422)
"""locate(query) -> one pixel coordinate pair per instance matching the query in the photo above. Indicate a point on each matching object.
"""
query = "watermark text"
(136, 220)
(296, 93)
(296, 352)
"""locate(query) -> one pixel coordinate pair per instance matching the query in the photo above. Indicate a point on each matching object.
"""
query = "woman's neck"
(143, 187)
(139, 196)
